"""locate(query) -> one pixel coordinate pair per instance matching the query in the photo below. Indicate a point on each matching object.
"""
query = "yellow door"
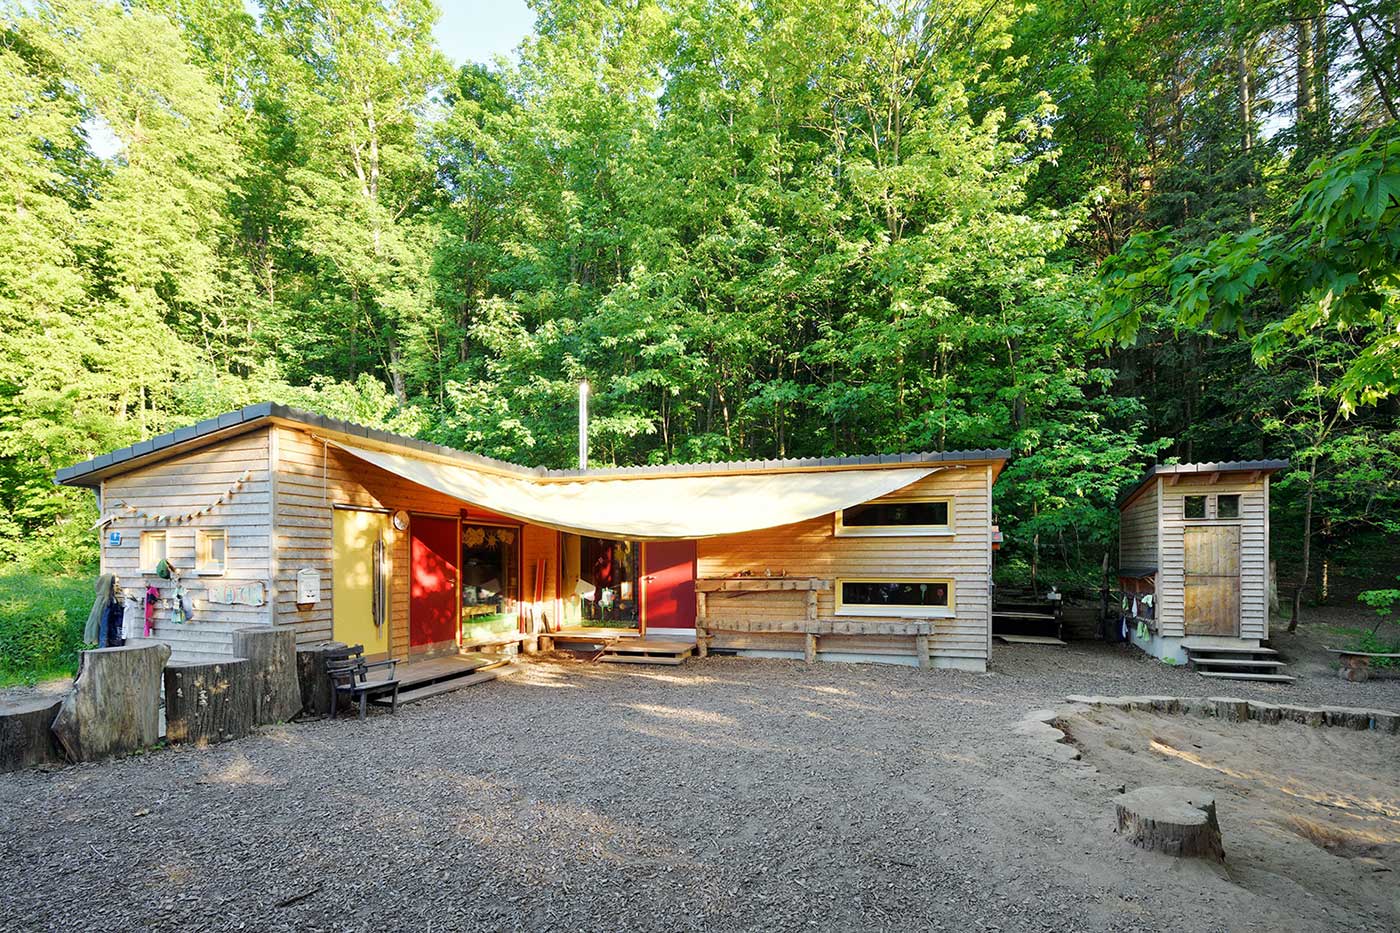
(1212, 565)
(360, 599)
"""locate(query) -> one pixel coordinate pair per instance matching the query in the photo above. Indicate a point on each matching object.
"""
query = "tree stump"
(208, 702)
(1177, 821)
(272, 664)
(114, 706)
(316, 692)
(26, 736)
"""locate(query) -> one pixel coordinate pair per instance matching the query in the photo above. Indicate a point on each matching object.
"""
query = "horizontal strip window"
(896, 517)
(927, 598)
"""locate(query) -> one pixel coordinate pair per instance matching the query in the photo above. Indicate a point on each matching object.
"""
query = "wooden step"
(1236, 662)
(1022, 614)
(456, 683)
(1227, 675)
(1209, 649)
(640, 659)
(651, 646)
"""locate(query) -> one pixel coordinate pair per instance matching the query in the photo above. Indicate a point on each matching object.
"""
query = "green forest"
(1096, 232)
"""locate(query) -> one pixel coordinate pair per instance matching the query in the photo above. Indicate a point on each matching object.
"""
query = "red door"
(432, 612)
(669, 581)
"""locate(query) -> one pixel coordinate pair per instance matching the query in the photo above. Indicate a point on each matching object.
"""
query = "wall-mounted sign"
(114, 539)
(308, 586)
(237, 594)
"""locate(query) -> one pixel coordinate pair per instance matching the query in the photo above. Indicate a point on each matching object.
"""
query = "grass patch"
(41, 625)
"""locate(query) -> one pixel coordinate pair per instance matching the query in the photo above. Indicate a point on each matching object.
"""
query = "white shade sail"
(654, 508)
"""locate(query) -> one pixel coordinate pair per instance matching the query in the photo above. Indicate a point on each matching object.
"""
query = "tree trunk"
(1307, 546)
(1176, 821)
(317, 693)
(272, 664)
(209, 702)
(1303, 96)
(26, 737)
(114, 706)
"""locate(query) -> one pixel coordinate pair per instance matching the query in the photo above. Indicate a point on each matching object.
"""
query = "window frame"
(1239, 506)
(201, 538)
(149, 566)
(842, 530)
(888, 611)
(1205, 507)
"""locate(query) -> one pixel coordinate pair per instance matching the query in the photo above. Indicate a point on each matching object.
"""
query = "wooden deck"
(431, 677)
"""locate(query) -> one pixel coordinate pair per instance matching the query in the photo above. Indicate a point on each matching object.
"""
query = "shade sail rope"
(653, 508)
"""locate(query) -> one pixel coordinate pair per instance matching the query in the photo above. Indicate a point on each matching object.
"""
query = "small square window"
(210, 546)
(1227, 506)
(1195, 506)
(152, 550)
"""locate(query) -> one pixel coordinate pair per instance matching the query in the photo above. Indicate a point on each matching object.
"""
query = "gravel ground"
(726, 794)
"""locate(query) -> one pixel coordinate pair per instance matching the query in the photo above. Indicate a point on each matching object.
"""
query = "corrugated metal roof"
(251, 416)
(1224, 466)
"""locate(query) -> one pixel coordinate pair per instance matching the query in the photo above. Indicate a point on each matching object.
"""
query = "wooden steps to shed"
(1236, 662)
(646, 651)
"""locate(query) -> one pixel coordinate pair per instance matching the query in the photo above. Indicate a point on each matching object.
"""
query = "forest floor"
(725, 794)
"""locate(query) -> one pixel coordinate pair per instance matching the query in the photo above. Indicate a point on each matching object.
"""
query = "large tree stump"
(272, 663)
(208, 702)
(114, 706)
(1178, 821)
(26, 736)
(316, 692)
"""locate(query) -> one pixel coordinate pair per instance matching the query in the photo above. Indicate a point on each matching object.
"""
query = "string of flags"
(172, 518)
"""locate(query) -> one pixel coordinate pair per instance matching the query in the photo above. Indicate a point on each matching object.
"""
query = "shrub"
(41, 625)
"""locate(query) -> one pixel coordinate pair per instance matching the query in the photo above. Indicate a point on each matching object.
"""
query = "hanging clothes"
(112, 626)
(152, 597)
(131, 617)
(95, 629)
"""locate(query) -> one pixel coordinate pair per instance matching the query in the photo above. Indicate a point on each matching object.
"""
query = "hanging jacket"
(96, 622)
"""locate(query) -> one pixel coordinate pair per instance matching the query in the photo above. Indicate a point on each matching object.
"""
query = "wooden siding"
(1254, 556)
(540, 544)
(1137, 530)
(185, 483)
(811, 549)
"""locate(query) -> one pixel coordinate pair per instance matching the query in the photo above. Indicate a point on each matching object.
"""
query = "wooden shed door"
(1212, 566)
(432, 610)
(360, 577)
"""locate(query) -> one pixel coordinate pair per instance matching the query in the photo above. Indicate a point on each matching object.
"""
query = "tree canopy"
(1096, 234)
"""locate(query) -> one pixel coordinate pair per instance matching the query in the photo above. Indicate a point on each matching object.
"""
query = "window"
(152, 550)
(931, 597)
(896, 517)
(1227, 506)
(210, 549)
(1195, 506)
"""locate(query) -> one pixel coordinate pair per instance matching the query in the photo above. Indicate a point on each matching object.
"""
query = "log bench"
(814, 629)
(1356, 665)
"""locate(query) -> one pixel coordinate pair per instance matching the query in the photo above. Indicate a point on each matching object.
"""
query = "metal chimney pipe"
(583, 425)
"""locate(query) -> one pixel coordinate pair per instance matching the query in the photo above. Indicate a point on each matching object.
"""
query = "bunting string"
(123, 510)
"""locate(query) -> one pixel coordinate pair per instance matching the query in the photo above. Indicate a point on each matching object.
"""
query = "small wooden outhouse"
(1193, 557)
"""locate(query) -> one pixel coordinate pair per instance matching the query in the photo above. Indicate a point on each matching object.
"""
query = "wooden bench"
(349, 675)
(496, 641)
(1356, 665)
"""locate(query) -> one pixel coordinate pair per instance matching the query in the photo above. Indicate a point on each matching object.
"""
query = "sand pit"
(1305, 812)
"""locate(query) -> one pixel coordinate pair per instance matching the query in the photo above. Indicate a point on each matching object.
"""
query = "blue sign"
(114, 538)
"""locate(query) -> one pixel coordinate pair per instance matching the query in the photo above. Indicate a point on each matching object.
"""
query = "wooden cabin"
(275, 516)
(1193, 558)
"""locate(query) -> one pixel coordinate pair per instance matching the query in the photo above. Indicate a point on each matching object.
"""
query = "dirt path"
(728, 794)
